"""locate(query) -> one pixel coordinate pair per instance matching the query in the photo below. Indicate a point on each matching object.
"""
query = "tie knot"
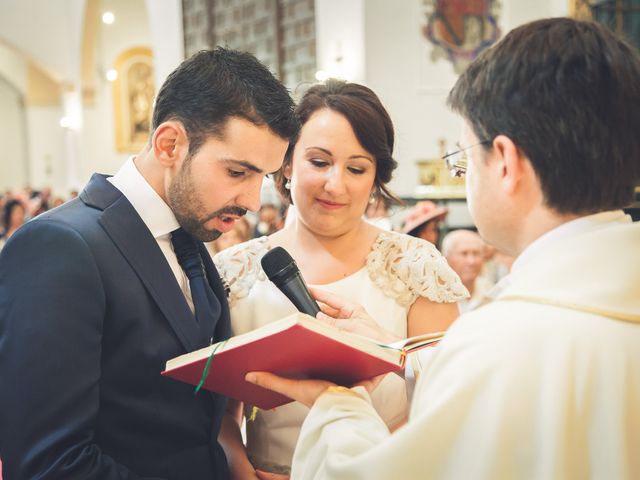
(187, 253)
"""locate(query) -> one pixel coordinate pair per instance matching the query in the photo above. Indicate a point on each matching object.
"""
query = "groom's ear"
(170, 144)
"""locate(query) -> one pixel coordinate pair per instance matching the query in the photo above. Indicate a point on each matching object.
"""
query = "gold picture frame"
(580, 9)
(133, 95)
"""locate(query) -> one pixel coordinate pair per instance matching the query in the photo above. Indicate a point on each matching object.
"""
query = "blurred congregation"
(19, 206)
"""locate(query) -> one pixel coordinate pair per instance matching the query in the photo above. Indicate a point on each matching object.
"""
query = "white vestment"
(544, 382)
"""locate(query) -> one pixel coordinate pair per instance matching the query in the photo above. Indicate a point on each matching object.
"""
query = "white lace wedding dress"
(399, 268)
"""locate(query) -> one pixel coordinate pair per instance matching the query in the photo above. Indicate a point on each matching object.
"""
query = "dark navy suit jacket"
(90, 311)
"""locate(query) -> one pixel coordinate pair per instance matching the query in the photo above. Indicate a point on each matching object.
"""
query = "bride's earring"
(287, 185)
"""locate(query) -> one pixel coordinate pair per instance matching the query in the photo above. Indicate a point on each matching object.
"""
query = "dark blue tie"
(206, 305)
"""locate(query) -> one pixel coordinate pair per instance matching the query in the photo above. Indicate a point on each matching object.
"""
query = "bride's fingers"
(346, 324)
(332, 300)
(340, 323)
(326, 318)
(327, 310)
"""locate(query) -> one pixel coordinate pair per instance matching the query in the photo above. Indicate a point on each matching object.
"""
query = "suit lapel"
(133, 239)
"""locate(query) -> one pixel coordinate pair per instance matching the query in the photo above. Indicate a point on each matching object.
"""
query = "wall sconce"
(336, 68)
(69, 123)
(112, 74)
(65, 122)
(108, 18)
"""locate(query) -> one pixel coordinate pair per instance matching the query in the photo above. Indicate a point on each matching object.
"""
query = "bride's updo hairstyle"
(370, 123)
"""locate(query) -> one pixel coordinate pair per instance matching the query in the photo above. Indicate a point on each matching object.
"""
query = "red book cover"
(298, 346)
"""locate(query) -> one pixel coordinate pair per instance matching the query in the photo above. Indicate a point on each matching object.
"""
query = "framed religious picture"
(133, 94)
(460, 30)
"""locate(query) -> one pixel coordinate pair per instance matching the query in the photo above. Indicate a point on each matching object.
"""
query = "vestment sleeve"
(463, 417)
(340, 429)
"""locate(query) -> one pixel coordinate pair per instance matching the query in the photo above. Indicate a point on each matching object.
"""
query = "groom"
(94, 300)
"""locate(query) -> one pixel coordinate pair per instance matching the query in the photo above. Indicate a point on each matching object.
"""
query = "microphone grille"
(275, 260)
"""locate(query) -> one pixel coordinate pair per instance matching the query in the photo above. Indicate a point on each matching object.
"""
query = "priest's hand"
(270, 476)
(304, 391)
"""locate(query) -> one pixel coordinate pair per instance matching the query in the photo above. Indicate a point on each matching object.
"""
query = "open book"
(297, 346)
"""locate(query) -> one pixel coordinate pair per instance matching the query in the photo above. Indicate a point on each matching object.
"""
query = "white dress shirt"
(156, 215)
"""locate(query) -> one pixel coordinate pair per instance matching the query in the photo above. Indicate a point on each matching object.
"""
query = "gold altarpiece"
(133, 95)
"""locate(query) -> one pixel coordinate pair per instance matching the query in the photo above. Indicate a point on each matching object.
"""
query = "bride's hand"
(349, 316)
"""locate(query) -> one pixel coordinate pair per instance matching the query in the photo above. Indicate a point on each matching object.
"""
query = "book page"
(417, 342)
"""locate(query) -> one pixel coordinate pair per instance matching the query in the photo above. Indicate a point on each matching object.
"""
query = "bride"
(341, 161)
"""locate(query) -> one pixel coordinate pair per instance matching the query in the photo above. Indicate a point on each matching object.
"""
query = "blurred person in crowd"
(117, 273)
(341, 159)
(27, 191)
(497, 265)
(423, 221)
(269, 220)
(377, 213)
(543, 381)
(241, 232)
(13, 217)
(464, 251)
(43, 197)
(24, 196)
(37, 204)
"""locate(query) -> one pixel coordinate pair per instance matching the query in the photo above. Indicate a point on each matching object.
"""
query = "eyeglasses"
(456, 161)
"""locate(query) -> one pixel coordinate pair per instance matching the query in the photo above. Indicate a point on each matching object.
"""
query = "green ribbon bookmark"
(205, 372)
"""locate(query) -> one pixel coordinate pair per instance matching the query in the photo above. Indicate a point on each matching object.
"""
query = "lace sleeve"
(240, 267)
(406, 268)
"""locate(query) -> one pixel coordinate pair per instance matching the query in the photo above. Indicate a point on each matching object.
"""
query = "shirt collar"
(154, 212)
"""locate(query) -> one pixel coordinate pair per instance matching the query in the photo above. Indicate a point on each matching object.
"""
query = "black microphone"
(282, 270)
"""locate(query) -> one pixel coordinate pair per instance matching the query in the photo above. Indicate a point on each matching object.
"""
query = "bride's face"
(332, 175)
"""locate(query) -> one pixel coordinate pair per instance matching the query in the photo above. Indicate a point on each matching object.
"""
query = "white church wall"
(98, 146)
(413, 87)
(13, 166)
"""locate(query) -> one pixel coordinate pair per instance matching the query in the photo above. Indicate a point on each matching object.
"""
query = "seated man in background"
(544, 381)
(464, 251)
